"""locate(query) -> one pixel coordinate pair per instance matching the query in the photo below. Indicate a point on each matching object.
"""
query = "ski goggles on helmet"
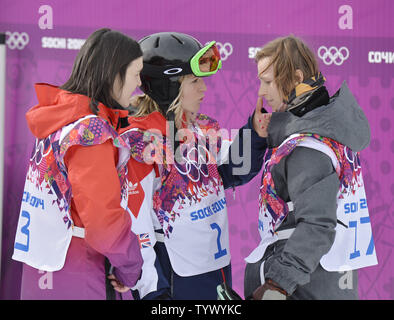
(203, 64)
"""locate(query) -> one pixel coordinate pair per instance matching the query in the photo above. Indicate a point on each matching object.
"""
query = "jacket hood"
(57, 108)
(154, 120)
(341, 119)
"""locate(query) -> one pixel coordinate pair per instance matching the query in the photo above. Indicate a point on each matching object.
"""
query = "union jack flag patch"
(144, 240)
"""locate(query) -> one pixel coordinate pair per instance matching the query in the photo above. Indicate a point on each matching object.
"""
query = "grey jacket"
(308, 179)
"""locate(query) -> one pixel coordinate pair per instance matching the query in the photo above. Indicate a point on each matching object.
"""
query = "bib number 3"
(26, 232)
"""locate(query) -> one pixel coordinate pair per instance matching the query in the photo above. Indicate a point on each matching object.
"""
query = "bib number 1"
(221, 252)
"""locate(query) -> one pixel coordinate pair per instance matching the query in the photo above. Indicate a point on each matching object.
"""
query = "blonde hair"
(146, 105)
(288, 54)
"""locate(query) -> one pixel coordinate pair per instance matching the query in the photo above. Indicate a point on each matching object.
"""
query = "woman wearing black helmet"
(176, 169)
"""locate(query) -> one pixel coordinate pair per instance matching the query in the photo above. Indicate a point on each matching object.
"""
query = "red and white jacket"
(183, 199)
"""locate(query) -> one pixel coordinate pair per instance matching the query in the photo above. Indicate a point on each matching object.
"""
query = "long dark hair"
(104, 54)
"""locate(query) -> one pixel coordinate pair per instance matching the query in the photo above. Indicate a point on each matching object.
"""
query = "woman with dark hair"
(72, 222)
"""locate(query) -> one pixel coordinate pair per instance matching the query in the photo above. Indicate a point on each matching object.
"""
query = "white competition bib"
(199, 241)
(44, 228)
(353, 247)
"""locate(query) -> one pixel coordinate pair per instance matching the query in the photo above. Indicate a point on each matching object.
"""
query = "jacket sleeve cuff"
(287, 277)
(127, 279)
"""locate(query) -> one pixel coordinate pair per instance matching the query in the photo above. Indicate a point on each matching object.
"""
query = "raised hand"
(261, 119)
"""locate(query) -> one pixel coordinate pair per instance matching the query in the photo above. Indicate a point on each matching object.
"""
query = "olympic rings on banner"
(333, 55)
(17, 40)
(225, 49)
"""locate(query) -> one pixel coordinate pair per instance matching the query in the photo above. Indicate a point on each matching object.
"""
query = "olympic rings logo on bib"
(41, 150)
(193, 168)
(352, 159)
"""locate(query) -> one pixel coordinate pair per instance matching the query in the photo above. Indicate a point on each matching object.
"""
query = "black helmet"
(166, 57)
